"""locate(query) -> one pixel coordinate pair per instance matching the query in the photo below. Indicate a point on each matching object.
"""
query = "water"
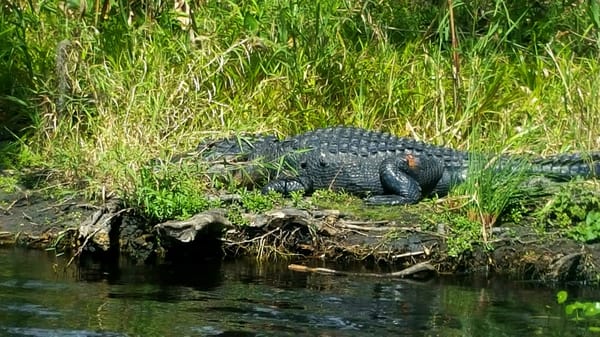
(245, 299)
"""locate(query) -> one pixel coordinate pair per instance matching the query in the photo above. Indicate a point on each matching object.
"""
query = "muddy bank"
(314, 237)
(34, 220)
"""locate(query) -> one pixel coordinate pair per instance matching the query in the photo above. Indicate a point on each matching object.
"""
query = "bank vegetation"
(95, 95)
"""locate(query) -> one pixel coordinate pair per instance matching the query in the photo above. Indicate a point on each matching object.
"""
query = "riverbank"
(422, 234)
(102, 100)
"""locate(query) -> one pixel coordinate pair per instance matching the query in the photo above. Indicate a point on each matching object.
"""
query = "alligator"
(382, 168)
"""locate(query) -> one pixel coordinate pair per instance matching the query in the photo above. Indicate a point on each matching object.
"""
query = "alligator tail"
(567, 166)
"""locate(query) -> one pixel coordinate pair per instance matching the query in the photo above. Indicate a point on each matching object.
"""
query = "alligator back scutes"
(363, 143)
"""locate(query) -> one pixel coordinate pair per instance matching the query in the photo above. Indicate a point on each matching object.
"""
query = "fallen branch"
(412, 270)
(409, 254)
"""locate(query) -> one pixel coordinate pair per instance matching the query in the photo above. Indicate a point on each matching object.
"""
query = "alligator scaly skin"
(384, 168)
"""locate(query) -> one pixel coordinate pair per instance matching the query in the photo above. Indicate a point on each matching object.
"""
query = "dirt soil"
(30, 219)
(316, 237)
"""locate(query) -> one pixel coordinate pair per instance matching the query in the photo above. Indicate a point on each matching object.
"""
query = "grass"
(96, 99)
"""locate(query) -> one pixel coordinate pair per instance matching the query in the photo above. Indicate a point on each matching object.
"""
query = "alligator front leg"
(406, 180)
(288, 185)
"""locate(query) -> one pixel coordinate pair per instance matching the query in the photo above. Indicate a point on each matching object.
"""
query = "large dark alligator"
(379, 166)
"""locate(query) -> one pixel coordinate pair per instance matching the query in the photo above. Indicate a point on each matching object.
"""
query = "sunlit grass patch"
(8, 183)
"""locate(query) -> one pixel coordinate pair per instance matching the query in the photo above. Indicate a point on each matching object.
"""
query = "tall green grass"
(126, 91)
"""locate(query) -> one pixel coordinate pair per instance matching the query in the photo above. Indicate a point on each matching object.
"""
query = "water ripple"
(36, 332)
(29, 308)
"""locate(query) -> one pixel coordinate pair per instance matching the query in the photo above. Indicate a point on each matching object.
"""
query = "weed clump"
(574, 211)
(169, 193)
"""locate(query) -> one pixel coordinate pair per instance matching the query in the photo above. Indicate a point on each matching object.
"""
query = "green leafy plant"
(235, 214)
(328, 198)
(170, 193)
(257, 202)
(587, 231)
(298, 199)
(465, 233)
(574, 210)
(581, 312)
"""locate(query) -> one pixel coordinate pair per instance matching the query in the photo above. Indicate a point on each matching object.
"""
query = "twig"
(354, 222)
(398, 256)
(12, 204)
(88, 206)
(364, 228)
(27, 217)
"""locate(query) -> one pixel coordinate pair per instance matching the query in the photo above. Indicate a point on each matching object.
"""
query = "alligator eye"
(303, 165)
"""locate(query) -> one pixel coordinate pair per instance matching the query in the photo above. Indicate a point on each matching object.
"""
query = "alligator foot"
(288, 185)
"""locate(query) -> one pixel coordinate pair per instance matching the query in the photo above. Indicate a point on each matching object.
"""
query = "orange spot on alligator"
(411, 160)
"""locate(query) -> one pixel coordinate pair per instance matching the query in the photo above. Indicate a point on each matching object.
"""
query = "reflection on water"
(245, 299)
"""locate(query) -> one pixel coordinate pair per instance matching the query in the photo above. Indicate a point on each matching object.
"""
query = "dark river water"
(248, 299)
